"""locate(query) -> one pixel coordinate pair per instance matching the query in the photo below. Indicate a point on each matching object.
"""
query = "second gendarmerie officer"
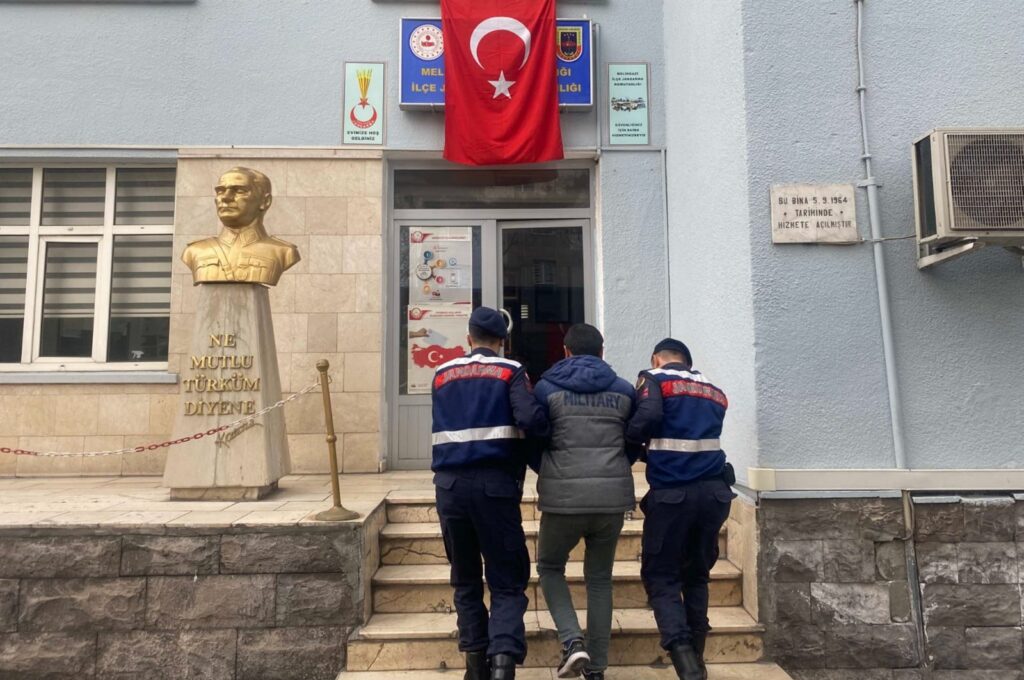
(680, 414)
(484, 410)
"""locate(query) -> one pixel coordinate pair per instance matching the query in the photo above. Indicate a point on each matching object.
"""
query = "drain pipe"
(888, 348)
(882, 284)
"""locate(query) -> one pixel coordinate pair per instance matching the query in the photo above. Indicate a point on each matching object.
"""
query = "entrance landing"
(143, 502)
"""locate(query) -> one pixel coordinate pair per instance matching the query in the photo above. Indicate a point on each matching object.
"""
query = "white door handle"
(508, 319)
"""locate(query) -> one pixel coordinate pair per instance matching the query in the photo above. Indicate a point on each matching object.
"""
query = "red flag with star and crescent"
(500, 82)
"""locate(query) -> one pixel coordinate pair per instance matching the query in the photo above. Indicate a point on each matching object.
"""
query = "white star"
(501, 86)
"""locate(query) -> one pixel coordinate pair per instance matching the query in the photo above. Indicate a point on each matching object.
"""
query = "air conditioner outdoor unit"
(968, 191)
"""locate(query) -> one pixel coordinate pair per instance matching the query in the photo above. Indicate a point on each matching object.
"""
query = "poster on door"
(437, 334)
(441, 266)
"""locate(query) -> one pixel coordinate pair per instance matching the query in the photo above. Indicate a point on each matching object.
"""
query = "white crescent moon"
(493, 24)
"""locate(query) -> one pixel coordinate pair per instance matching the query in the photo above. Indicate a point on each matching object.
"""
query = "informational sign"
(628, 100)
(422, 64)
(363, 113)
(437, 334)
(814, 213)
(441, 266)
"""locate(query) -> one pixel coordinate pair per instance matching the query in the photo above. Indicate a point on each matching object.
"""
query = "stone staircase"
(411, 634)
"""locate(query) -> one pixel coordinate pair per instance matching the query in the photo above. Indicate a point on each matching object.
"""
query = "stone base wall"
(970, 555)
(845, 593)
(213, 604)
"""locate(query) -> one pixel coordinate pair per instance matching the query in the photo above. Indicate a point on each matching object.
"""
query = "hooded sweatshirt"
(586, 469)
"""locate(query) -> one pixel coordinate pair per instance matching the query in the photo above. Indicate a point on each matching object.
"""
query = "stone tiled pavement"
(135, 501)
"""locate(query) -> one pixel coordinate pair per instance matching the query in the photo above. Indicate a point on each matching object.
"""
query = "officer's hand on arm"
(648, 411)
(527, 410)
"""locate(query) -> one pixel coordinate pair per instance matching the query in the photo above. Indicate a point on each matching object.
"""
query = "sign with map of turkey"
(437, 334)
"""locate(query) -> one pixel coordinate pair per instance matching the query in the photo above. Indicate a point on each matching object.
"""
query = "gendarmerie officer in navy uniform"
(679, 415)
(484, 410)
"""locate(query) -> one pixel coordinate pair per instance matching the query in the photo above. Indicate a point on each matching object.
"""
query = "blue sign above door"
(422, 64)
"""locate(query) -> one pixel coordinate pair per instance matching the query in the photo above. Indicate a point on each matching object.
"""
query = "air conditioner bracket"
(929, 256)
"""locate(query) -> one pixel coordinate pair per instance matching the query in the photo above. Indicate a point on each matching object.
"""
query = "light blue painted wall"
(269, 72)
(257, 72)
(712, 308)
(632, 224)
(959, 329)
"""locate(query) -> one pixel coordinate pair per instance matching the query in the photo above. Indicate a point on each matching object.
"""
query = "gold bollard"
(337, 513)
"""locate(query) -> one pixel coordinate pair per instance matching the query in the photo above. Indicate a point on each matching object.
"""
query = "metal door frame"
(491, 222)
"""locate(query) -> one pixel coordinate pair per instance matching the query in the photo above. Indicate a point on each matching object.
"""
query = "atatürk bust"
(243, 252)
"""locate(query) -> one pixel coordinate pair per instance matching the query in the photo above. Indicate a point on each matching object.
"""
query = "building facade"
(873, 419)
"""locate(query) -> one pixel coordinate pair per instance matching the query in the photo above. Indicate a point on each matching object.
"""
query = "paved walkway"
(109, 501)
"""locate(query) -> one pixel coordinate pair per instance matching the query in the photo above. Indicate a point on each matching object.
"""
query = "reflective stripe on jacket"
(482, 409)
(680, 413)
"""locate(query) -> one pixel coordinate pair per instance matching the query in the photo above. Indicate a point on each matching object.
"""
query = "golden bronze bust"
(243, 252)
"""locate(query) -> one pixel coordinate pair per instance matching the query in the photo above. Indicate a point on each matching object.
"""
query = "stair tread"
(427, 497)
(631, 527)
(725, 671)
(400, 627)
(439, 574)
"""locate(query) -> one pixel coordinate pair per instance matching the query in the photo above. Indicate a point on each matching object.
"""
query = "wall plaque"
(814, 213)
(363, 113)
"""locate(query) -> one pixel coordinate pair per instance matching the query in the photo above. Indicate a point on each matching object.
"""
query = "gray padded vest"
(585, 470)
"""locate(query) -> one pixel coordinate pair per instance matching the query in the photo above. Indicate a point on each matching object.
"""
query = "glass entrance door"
(538, 272)
(545, 267)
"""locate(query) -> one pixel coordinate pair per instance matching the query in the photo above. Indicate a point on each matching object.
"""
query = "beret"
(489, 321)
(673, 345)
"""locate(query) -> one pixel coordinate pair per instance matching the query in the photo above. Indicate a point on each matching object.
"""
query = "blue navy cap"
(673, 345)
(489, 321)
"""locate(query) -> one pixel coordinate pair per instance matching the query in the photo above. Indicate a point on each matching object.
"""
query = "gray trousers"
(559, 534)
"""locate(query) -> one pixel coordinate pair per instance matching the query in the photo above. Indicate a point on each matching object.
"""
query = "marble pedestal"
(229, 373)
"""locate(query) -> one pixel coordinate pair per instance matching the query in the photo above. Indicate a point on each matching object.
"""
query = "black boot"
(503, 667)
(686, 662)
(477, 666)
(699, 643)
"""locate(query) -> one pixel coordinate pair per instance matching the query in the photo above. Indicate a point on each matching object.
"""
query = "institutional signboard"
(363, 112)
(628, 101)
(421, 66)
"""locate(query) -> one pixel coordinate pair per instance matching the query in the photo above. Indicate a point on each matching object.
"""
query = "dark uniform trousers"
(680, 547)
(480, 516)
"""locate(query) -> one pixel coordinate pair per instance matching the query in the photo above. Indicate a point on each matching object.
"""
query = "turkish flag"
(500, 82)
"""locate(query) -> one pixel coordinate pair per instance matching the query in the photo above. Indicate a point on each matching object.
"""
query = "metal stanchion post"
(337, 513)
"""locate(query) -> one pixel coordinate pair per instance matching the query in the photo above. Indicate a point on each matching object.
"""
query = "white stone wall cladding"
(837, 603)
(326, 307)
(199, 603)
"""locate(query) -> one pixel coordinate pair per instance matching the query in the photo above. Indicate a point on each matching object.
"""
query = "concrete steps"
(412, 633)
(428, 641)
(737, 671)
(425, 588)
(416, 506)
(420, 543)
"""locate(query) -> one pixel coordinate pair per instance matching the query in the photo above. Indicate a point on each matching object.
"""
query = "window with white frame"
(85, 267)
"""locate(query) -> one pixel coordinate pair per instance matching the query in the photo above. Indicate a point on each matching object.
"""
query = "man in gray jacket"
(584, 490)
